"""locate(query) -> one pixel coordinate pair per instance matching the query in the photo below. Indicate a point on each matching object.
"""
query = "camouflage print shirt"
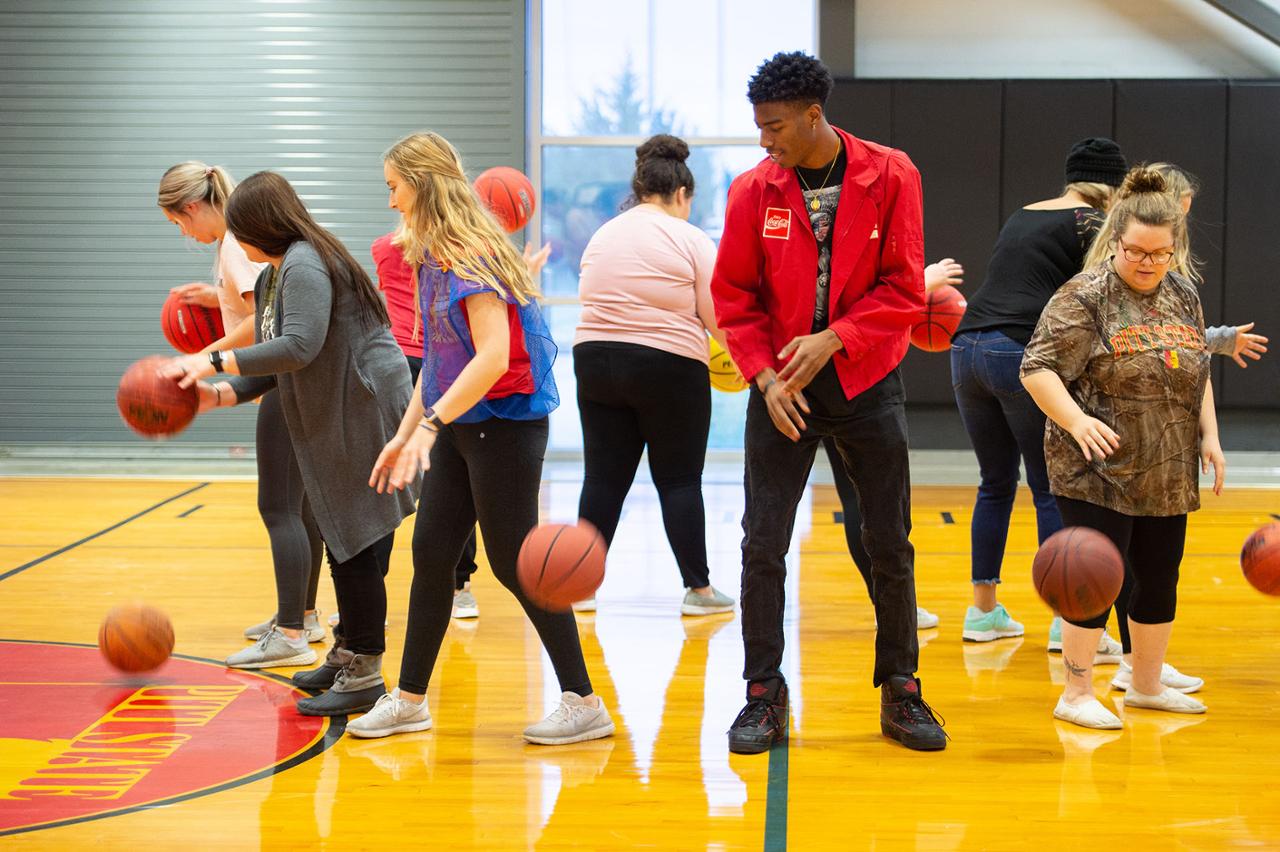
(1138, 363)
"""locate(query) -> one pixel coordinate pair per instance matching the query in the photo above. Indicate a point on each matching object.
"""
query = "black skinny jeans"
(870, 436)
(630, 397)
(1152, 550)
(488, 472)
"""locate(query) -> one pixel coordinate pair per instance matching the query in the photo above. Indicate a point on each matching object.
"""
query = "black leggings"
(467, 564)
(296, 547)
(362, 596)
(491, 472)
(630, 397)
(1152, 551)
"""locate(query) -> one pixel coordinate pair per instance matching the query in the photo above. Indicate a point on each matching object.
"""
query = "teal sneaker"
(1055, 635)
(982, 626)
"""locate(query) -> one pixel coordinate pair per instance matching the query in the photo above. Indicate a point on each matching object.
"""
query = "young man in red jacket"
(819, 276)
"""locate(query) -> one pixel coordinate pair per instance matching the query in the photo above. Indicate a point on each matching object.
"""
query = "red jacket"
(765, 280)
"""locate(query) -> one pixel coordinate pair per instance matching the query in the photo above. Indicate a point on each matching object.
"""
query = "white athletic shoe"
(391, 715)
(464, 605)
(1169, 676)
(1090, 714)
(589, 605)
(1109, 651)
(925, 620)
(572, 722)
(271, 650)
(1171, 701)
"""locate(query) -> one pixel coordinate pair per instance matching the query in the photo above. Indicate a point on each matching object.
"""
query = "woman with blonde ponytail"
(1118, 363)
(194, 197)
(476, 427)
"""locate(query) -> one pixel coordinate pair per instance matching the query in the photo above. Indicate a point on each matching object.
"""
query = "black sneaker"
(762, 722)
(906, 718)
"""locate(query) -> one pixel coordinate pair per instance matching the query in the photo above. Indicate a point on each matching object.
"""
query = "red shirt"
(395, 280)
(765, 281)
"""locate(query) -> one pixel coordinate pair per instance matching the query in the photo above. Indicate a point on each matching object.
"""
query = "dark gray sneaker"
(762, 722)
(906, 718)
(356, 688)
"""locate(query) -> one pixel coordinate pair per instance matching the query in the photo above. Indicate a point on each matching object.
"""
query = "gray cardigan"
(344, 386)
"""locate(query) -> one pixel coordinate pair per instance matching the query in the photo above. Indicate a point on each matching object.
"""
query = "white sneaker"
(1171, 701)
(1169, 676)
(1109, 651)
(572, 722)
(925, 620)
(310, 624)
(696, 604)
(464, 605)
(589, 605)
(391, 715)
(1090, 714)
(271, 650)
(257, 631)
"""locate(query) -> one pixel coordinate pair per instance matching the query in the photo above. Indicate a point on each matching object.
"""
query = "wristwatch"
(431, 417)
(215, 358)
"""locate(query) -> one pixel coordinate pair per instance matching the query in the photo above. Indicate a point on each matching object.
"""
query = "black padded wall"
(984, 148)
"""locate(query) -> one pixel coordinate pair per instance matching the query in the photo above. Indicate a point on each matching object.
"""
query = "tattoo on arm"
(1072, 668)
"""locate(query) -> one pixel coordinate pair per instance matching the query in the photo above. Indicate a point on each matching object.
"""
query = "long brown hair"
(265, 212)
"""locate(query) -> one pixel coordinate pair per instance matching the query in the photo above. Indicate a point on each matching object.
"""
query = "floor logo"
(80, 741)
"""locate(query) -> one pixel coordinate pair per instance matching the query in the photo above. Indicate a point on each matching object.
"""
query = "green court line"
(775, 809)
(61, 550)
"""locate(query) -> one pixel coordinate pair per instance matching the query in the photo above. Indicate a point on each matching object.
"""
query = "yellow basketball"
(724, 373)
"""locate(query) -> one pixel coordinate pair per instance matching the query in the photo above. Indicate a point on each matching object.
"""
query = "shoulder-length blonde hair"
(450, 223)
(1181, 184)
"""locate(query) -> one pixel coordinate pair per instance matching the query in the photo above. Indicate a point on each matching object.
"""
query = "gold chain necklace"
(815, 204)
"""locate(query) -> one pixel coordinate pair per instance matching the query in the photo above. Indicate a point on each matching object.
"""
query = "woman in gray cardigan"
(323, 341)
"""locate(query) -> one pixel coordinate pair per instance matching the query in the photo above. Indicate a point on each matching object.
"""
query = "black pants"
(362, 596)
(296, 547)
(1152, 550)
(848, 494)
(466, 564)
(870, 435)
(630, 397)
(488, 472)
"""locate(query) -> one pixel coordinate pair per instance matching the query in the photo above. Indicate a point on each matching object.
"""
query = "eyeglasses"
(1137, 255)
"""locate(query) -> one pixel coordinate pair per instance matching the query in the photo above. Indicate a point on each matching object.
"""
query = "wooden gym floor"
(199, 757)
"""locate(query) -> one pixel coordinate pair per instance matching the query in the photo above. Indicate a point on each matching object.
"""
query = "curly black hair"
(790, 77)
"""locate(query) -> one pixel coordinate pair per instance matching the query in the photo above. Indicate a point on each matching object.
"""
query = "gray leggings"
(296, 547)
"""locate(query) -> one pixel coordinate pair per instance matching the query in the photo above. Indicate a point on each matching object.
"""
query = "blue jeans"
(1004, 424)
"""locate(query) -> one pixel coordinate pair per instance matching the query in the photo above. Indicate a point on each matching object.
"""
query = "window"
(661, 66)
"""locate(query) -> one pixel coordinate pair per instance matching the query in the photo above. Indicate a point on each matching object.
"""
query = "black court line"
(61, 550)
(192, 510)
(947, 519)
(775, 809)
(333, 732)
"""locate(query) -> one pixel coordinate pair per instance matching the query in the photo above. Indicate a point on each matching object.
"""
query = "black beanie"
(1096, 160)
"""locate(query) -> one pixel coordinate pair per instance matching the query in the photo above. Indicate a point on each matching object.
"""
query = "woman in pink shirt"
(640, 358)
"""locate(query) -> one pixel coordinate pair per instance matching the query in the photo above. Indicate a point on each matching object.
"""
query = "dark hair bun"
(663, 147)
(1142, 180)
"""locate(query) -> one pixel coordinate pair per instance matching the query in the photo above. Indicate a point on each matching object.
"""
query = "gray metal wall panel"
(99, 99)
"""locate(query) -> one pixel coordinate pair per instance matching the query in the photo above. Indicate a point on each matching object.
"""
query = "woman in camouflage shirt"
(1118, 363)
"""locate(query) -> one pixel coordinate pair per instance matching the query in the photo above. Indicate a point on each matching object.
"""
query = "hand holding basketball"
(945, 271)
(187, 369)
(196, 293)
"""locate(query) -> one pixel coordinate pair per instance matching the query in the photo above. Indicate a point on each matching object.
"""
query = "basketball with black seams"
(189, 328)
(136, 638)
(1260, 559)
(943, 309)
(560, 564)
(508, 194)
(153, 406)
(1078, 572)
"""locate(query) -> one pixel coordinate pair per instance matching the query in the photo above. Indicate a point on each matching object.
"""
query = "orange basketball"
(135, 637)
(560, 564)
(155, 407)
(943, 309)
(1260, 559)
(189, 328)
(509, 194)
(1078, 572)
